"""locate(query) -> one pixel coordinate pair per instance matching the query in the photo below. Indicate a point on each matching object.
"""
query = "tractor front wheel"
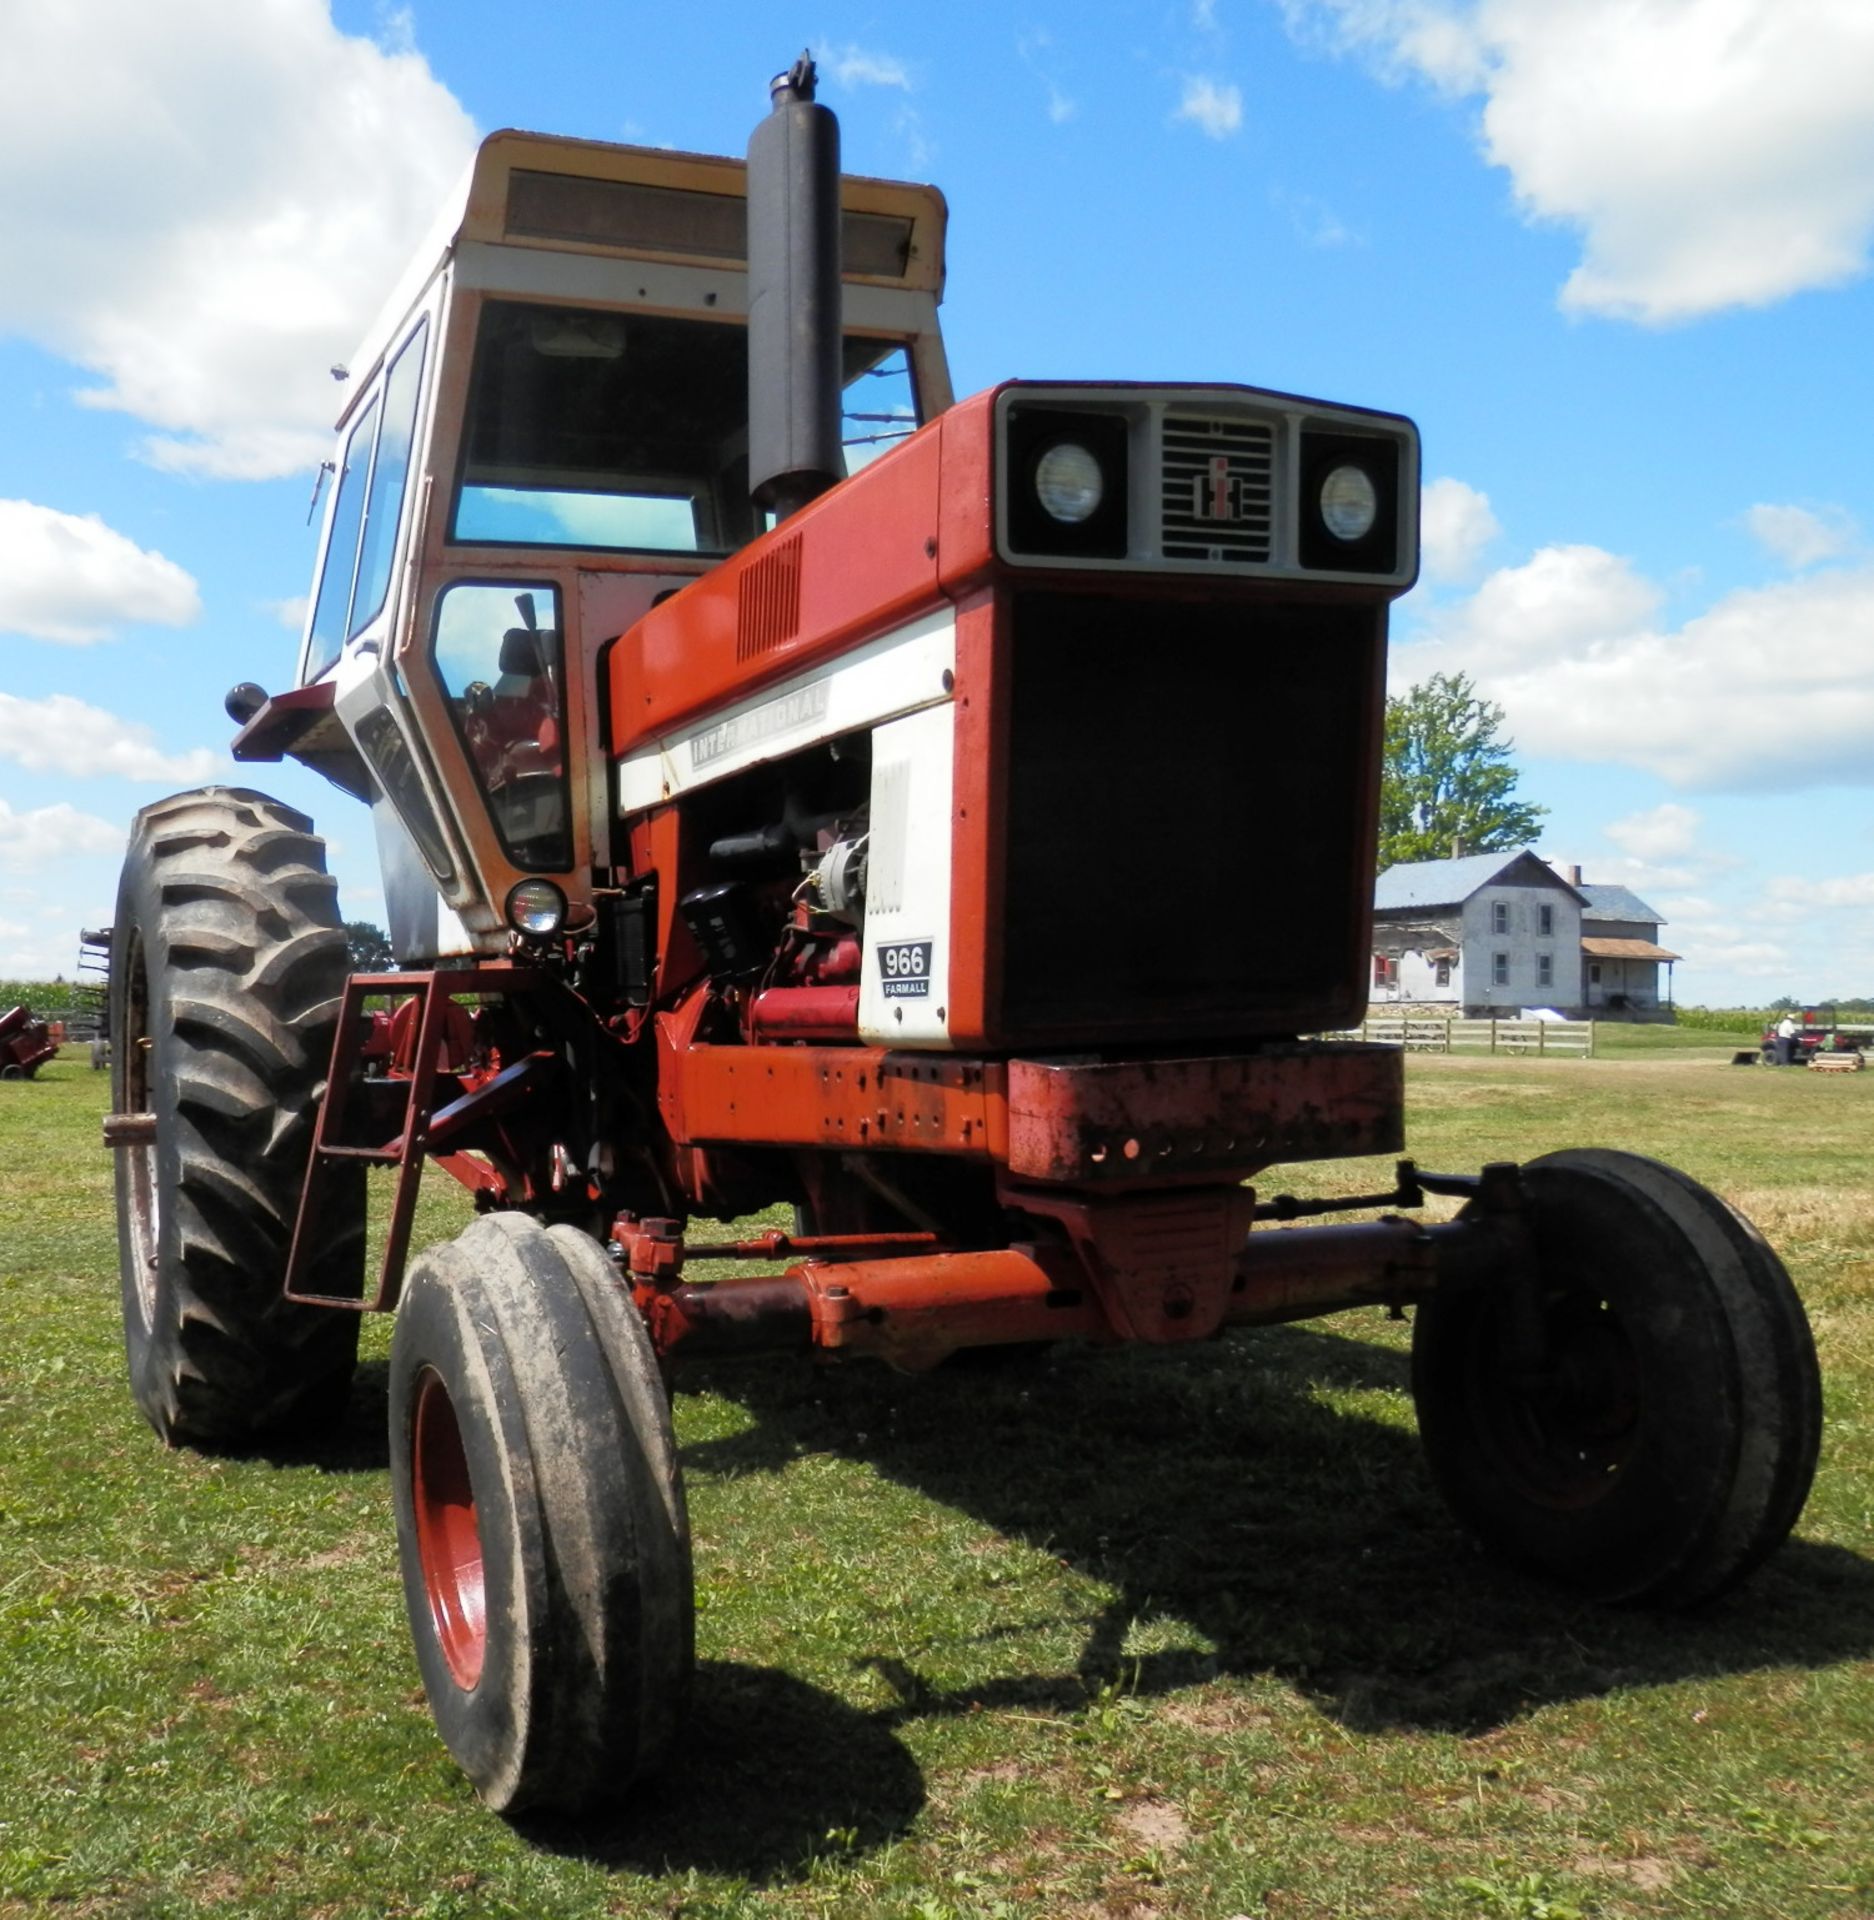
(1645, 1428)
(227, 966)
(540, 1515)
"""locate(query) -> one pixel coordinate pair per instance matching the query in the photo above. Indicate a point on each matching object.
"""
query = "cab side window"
(341, 550)
(372, 483)
(388, 477)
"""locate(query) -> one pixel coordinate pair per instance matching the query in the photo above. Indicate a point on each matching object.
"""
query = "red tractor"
(795, 787)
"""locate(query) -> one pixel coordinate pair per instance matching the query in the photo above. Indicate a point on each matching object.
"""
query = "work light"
(536, 908)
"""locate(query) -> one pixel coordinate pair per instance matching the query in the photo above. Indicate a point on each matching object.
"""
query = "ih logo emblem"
(1217, 494)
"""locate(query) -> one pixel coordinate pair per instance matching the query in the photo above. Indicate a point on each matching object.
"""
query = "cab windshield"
(589, 428)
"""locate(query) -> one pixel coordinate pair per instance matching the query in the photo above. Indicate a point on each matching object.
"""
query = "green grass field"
(1123, 1634)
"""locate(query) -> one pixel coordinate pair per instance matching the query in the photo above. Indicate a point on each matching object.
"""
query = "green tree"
(369, 945)
(1448, 779)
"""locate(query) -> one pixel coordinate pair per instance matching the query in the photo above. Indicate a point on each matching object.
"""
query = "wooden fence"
(1434, 1033)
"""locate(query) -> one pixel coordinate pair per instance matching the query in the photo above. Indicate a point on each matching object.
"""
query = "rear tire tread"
(226, 899)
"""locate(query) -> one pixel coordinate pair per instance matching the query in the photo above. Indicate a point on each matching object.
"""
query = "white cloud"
(59, 832)
(1559, 602)
(69, 577)
(1436, 40)
(920, 149)
(396, 29)
(1314, 220)
(855, 67)
(1032, 47)
(1716, 942)
(1725, 947)
(1455, 526)
(1664, 832)
(28, 953)
(211, 219)
(1711, 153)
(1647, 877)
(63, 734)
(1689, 908)
(1213, 106)
(1800, 536)
(290, 612)
(1771, 688)
(1844, 890)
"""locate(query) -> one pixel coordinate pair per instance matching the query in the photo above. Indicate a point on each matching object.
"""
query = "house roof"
(1604, 949)
(1449, 883)
(1616, 903)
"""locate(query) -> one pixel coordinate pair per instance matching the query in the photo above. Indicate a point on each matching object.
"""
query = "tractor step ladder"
(404, 1151)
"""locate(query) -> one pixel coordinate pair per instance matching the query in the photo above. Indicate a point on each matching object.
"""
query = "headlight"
(1065, 481)
(536, 907)
(1068, 483)
(1349, 503)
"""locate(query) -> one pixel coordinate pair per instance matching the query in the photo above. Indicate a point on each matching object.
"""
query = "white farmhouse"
(1491, 933)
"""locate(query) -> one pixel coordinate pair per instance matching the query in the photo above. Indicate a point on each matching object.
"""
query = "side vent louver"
(767, 612)
(1217, 489)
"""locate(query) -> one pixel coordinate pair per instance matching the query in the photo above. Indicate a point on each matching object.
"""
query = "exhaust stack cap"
(794, 363)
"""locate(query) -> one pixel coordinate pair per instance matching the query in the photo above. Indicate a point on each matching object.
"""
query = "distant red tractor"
(793, 787)
(26, 1044)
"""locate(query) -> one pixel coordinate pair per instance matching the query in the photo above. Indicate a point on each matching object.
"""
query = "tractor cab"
(546, 433)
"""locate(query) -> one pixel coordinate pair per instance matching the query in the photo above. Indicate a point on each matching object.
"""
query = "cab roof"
(549, 193)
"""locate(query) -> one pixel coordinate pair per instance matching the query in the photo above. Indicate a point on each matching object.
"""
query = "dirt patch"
(1211, 1714)
(346, 1554)
(1154, 1823)
(1644, 1871)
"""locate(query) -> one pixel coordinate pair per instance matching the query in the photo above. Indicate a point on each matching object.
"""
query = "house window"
(1545, 967)
(1594, 975)
(1545, 921)
(1499, 916)
(1443, 973)
(1500, 969)
(1382, 969)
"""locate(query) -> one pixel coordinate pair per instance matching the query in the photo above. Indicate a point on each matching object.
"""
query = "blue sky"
(1612, 256)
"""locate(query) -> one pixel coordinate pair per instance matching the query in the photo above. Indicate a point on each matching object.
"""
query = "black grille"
(1188, 834)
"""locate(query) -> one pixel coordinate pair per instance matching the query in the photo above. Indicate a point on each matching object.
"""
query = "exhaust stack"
(794, 367)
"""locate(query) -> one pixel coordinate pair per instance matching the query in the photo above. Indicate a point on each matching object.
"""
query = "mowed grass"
(1134, 1633)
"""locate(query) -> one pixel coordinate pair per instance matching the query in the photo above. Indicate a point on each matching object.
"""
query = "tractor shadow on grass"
(1301, 1539)
(769, 1776)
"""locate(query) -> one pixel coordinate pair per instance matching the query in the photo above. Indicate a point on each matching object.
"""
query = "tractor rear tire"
(1667, 1440)
(226, 972)
(540, 1516)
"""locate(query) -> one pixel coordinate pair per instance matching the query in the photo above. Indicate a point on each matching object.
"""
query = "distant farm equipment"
(92, 994)
(1818, 1037)
(26, 1043)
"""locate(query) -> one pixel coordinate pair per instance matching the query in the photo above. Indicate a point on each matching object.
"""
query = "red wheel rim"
(448, 1535)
